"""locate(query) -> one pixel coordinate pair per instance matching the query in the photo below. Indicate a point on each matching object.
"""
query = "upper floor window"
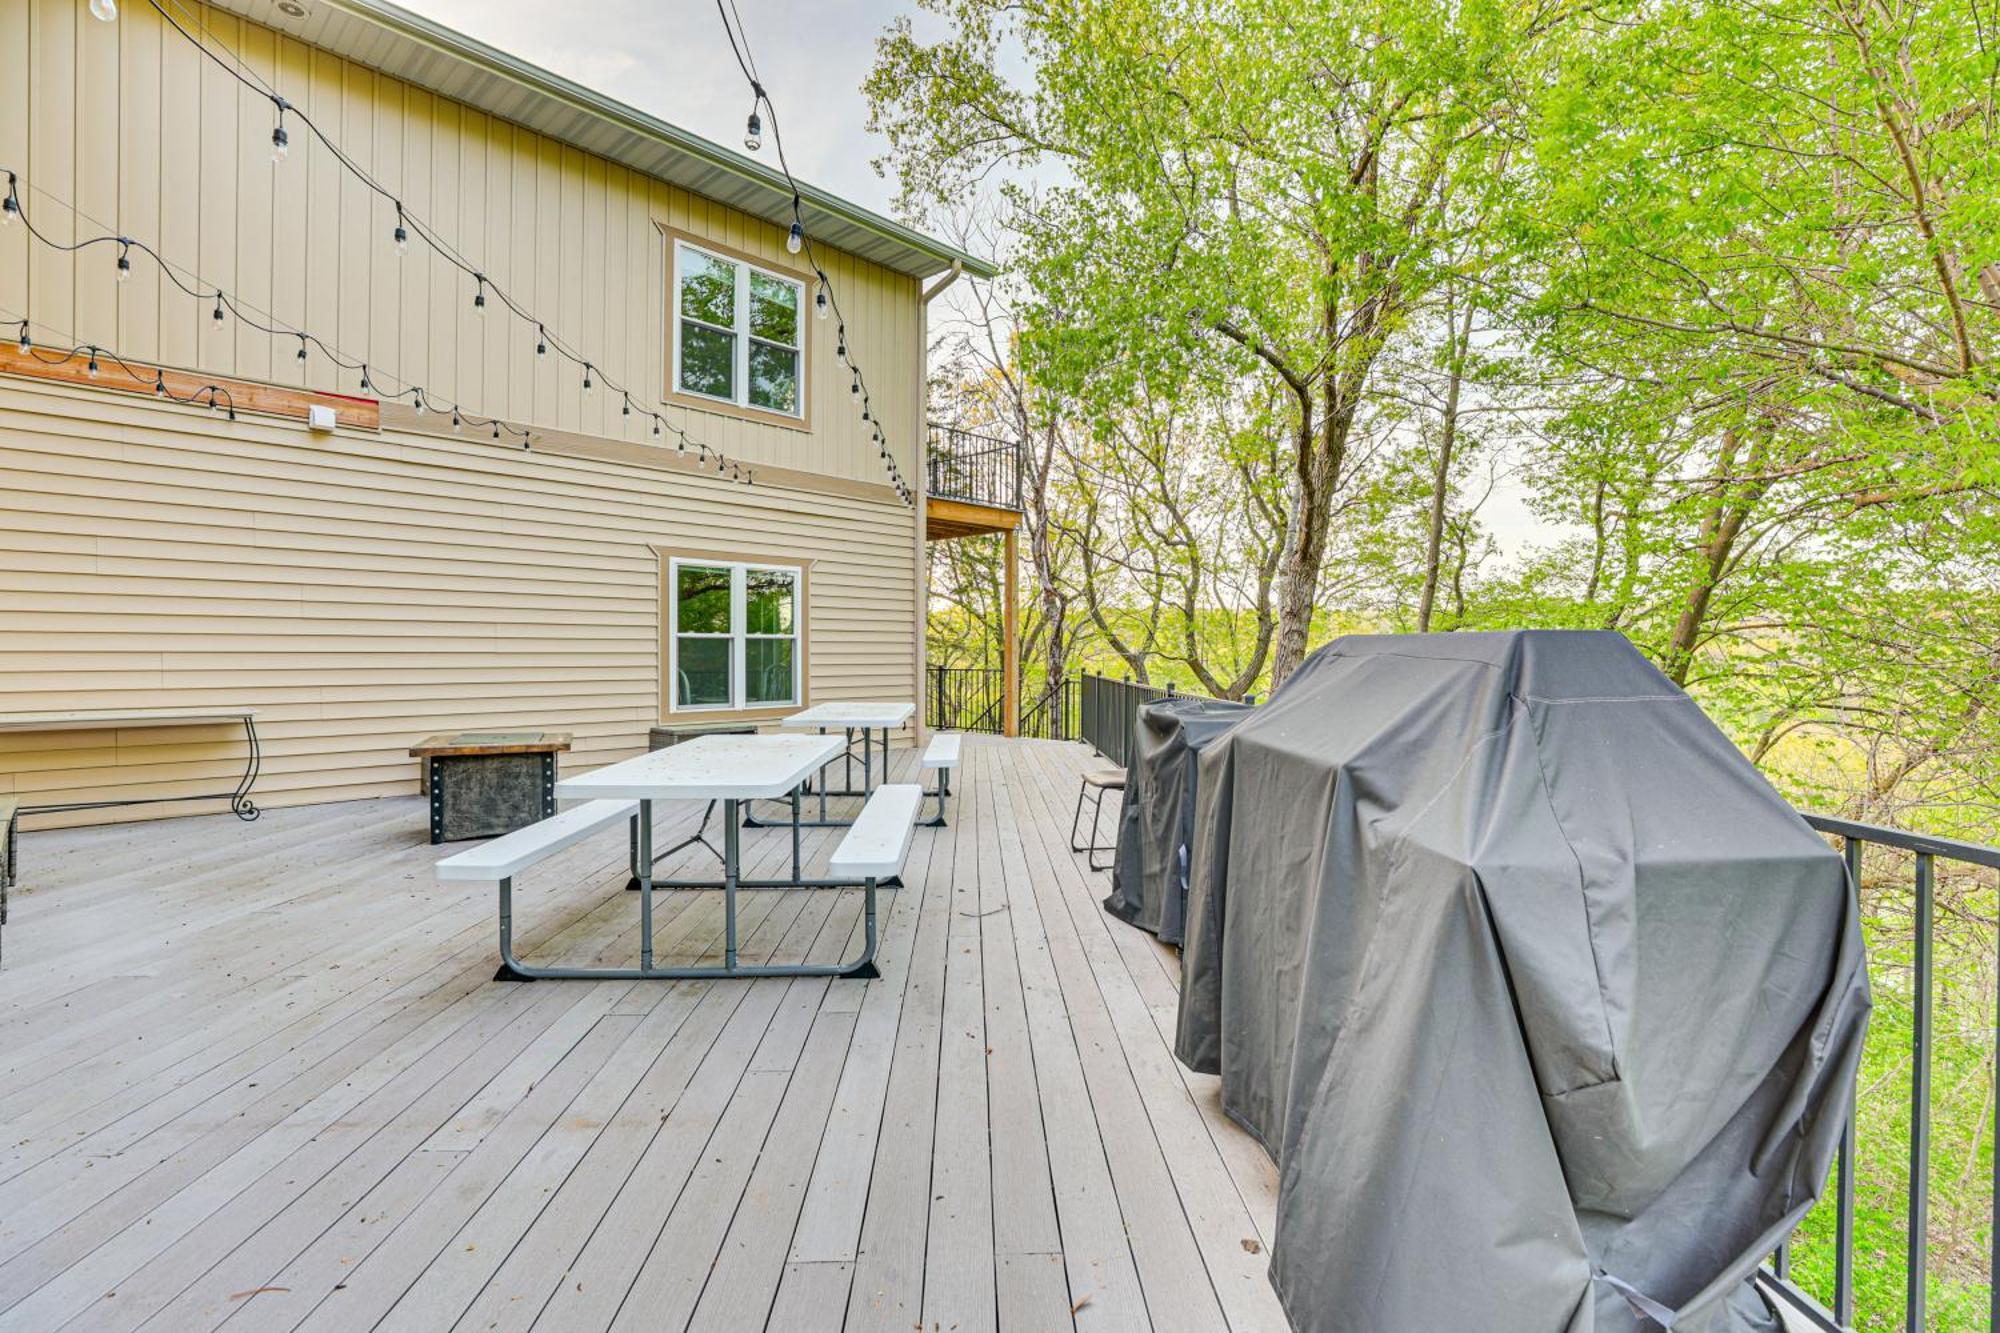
(739, 332)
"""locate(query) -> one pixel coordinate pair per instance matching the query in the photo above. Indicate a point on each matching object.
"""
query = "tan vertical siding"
(124, 128)
(365, 589)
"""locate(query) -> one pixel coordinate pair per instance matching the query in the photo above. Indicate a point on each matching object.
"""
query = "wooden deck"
(260, 1076)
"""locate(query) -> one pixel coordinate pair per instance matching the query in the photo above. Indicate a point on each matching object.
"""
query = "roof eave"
(455, 45)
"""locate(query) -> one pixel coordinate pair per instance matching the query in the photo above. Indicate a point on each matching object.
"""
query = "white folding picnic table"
(864, 716)
(730, 769)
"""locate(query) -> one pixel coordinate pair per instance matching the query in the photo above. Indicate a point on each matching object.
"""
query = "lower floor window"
(735, 634)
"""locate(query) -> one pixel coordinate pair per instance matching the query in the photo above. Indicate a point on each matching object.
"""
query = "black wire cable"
(407, 220)
(747, 63)
(419, 397)
(217, 395)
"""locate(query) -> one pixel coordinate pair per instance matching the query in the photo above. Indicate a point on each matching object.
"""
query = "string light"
(104, 11)
(753, 131)
(405, 223)
(91, 369)
(796, 238)
(27, 343)
(281, 142)
(479, 296)
(124, 259)
(302, 347)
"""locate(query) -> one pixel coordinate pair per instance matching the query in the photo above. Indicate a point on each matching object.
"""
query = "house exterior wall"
(364, 588)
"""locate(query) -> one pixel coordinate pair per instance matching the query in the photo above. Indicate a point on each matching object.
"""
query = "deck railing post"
(1843, 1259)
(1920, 1105)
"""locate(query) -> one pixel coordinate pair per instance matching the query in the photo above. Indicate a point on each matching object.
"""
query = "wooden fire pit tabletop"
(490, 742)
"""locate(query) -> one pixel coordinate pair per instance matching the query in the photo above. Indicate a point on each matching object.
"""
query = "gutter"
(936, 289)
(456, 45)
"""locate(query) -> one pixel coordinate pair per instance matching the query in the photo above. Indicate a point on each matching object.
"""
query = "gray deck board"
(258, 1077)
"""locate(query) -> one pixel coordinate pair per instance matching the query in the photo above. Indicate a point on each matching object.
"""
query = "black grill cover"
(1544, 1002)
(1149, 873)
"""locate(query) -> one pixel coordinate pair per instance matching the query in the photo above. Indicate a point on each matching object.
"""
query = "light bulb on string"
(281, 142)
(160, 383)
(586, 376)
(753, 131)
(541, 341)
(626, 410)
(400, 236)
(124, 270)
(27, 343)
(457, 422)
(91, 369)
(496, 430)
(216, 319)
(302, 347)
(795, 238)
(104, 11)
(366, 387)
(10, 207)
(479, 296)
(821, 305)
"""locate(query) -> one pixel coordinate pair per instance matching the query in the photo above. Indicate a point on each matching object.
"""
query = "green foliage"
(1711, 287)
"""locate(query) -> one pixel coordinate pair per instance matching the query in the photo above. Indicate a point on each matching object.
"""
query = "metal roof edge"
(415, 27)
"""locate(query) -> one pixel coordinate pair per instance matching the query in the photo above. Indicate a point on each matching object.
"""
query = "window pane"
(703, 675)
(704, 599)
(767, 601)
(769, 662)
(774, 377)
(708, 289)
(708, 361)
(774, 309)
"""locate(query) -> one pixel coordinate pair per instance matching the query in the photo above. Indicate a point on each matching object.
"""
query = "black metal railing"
(965, 699)
(979, 469)
(1866, 844)
(1109, 714)
(1056, 714)
(970, 699)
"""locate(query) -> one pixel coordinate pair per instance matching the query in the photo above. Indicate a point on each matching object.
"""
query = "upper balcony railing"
(979, 469)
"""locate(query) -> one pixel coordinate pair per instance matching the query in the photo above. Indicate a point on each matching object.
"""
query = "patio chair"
(1095, 784)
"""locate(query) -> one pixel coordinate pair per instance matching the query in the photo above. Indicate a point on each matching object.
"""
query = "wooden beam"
(1010, 649)
(948, 520)
(246, 395)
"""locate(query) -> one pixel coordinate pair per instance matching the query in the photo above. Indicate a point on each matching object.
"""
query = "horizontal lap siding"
(364, 590)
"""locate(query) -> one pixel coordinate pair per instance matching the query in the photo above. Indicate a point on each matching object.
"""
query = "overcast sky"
(671, 59)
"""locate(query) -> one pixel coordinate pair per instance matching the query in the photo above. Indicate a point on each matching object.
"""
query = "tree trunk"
(1298, 570)
(1441, 479)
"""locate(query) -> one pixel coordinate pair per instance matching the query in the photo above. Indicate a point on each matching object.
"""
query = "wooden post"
(1010, 647)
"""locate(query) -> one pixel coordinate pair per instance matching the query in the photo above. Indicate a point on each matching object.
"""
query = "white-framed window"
(734, 630)
(739, 332)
